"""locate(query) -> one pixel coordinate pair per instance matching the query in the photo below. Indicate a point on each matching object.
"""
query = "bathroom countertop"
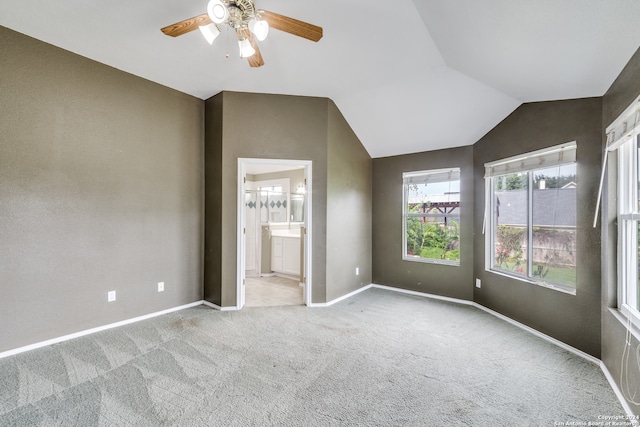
(285, 233)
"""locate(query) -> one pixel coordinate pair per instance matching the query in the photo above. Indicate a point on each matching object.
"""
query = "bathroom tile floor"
(272, 291)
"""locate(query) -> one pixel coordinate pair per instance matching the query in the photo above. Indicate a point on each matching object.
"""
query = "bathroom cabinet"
(285, 255)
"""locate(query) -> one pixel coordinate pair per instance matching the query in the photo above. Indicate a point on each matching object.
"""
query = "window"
(629, 227)
(431, 216)
(270, 189)
(271, 199)
(623, 135)
(531, 216)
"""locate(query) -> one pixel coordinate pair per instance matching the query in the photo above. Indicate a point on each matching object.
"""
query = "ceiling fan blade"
(254, 60)
(292, 26)
(183, 27)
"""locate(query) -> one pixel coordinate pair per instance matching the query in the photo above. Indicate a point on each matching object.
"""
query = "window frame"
(262, 188)
(405, 215)
(628, 218)
(502, 166)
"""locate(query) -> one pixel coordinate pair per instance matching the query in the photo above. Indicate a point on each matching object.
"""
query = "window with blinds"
(530, 215)
(623, 145)
(629, 228)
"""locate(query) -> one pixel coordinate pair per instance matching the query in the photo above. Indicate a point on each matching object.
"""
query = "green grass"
(555, 275)
(436, 253)
(561, 276)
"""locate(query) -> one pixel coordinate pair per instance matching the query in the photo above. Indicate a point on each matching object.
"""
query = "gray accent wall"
(388, 266)
(286, 127)
(620, 95)
(573, 319)
(101, 189)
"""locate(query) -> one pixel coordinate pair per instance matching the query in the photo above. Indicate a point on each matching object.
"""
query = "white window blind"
(546, 158)
(431, 177)
(622, 128)
(619, 131)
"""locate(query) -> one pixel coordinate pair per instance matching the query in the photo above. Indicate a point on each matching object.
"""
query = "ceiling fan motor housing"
(240, 13)
(246, 6)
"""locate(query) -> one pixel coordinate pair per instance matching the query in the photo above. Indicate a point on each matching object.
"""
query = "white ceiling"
(409, 76)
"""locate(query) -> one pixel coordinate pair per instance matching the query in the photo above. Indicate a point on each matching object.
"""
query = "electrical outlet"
(478, 283)
(160, 286)
(357, 271)
(111, 296)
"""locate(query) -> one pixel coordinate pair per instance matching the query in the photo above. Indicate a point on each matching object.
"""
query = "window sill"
(431, 261)
(559, 288)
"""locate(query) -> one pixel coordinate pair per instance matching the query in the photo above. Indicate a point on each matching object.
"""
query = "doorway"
(274, 232)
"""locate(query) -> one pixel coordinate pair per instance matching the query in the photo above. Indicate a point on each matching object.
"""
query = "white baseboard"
(212, 305)
(539, 334)
(580, 353)
(633, 420)
(343, 297)
(423, 294)
(625, 405)
(94, 330)
(217, 307)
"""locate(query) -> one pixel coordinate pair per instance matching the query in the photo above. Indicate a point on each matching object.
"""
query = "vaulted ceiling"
(409, 76)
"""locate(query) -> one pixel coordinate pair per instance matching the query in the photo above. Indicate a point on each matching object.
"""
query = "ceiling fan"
(249, 24)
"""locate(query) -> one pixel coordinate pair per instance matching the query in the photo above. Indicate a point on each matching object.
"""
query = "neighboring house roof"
(550, 207)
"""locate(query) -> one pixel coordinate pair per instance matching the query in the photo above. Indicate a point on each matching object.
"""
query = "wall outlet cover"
(111, 296)
(478, 283)
(160, 286)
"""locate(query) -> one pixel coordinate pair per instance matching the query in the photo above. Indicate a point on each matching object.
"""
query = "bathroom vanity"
(285, 252)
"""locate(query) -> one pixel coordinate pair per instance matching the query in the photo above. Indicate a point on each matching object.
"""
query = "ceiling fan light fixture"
(259, 28)
(217, 11)
(210, 32)
(246, 50)
(251, 26)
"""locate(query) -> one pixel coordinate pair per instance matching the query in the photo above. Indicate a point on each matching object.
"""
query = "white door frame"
(241, 243)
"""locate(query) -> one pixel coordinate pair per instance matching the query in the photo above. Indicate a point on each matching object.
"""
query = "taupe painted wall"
(621, 94)
(349, 181)
(101, 188)
(388, 266)
(213, 194)
(270, 127)
(574, 320)
(294, 128)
